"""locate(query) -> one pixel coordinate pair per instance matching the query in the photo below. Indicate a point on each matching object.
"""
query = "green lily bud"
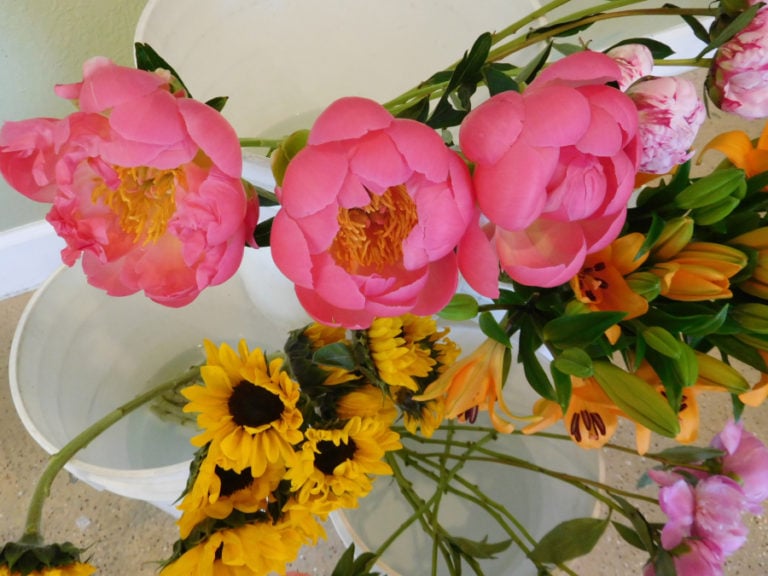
(752, 316)
(711, 189)
(286, 151)
(715, 372)
(673, 238)
(715, 212)
(646, 284)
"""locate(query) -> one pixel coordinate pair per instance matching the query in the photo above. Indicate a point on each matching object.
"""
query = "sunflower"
(253, 549)
(367, 401)
(320, 335)
(424, 414)
(336, 465)
(247, 408)
(216, 492)
(74, 569)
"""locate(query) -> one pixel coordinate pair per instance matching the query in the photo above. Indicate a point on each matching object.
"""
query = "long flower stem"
(260, 142)
(57, 461)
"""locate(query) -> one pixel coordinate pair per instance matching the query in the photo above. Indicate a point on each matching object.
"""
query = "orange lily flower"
(591, 418)
(738, 148)
(473, 383)
(759, 392)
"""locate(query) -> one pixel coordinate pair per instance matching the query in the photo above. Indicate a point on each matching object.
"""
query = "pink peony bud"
(738, 79)
(671, 114)
(635, 61)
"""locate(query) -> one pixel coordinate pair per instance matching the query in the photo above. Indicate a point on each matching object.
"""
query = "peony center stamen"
(254, 406)
(370, 237)
(144, 201)
(332, 455)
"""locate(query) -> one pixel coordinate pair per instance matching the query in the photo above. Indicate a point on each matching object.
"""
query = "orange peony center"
(370, 238)
(144, 201)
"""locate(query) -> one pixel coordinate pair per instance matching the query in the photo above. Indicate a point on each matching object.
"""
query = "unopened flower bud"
(751, 315)
(286, 151)
(677, 233)
(712, 189)
(715, 372)
(757, 282)
(635, 61)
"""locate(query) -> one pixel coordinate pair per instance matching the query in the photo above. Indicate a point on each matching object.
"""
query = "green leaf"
(529, 71)
(641, 527)
(534, 373)
(629, 535)
(682, 455)
(639, 400)
(579, 330)
(469, 66)
(563, 387)
(148, 59)
(497, 81)
(491, 328)
(659, 50)
(710, 189)
(336, 354)
(418, 111)
(566, 49)
(569, 540)
(652, 235)
(461, 307)
(478, 548)
(217, 103)
(692, 319)
(734, 347)
(262, 232)
(575, 362)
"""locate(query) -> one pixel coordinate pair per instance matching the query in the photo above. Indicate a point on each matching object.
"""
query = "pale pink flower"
(554, 169)
(671, 114)
(738, 78)
(372, 210)
(746, 460)
(145, 185)
(635, 61)
(700, 559)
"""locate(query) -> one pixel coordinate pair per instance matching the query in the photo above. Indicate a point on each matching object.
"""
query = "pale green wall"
(42, 43)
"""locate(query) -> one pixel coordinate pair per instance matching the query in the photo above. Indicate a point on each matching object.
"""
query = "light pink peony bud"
(635, 61)
(738, 79)
(671, 114)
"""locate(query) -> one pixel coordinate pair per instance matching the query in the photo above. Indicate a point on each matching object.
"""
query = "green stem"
(699, 62)
(260, 142)
(57, 461)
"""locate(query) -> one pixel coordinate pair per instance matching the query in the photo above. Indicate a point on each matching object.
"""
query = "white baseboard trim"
(28, 255)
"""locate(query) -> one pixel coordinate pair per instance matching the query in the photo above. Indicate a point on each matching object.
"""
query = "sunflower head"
(37, 559)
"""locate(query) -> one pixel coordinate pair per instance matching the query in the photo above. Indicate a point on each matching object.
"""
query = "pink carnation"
(635, 61)
(372, 210)
(554, 169)
(671, 114)
(738, 79)
(144, 185)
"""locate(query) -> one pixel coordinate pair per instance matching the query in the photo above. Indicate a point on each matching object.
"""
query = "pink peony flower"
(738, 78)
(372, 210)
(554, 169)
(144, 185)
(635, 62)
(746, 460)
(671, 114)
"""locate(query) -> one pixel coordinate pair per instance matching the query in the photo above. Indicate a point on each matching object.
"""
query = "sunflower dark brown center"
(232, 481)
(332, 455)
(253, 406)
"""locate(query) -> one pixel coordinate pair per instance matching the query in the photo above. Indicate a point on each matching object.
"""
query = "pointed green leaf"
(336, 354)
(662, 341)
(579, 330)
(574, 361)
(659, 50)
(732, 29)
(641, 527)
(461, 307)
(568, 540)
(534, 373)
(217, 103)
(497, 81)
(491, 328)
(148, 59)
(682, 455)
(479, 548)
(636, 398)
(629, 535)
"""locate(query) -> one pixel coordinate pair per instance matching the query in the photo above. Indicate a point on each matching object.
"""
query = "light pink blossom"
(372, 210)
(144, 185)
(554, 168)
(746, 460)
(738, 78)
(635, 61)
(671, 114)
(699, 559)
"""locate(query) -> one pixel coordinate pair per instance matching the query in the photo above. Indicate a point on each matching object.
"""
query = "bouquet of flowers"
(552, 205)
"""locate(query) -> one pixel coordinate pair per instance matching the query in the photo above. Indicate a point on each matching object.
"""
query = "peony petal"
(545, 254)
(349, 117)
(422, 147)
(290, 251)
(335, 285)
(600, 232)
(585, 67)
(478, 261)
(512, 192)
(312, 181)
(376, 160)
(329, 315)
(214, 135)
(555, 115)
(603, 137)
(442, 280)
(490, 129)
(152, 119)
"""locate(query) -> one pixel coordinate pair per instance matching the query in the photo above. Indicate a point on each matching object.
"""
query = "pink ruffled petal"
(512, 192)
(478, 261)
(442, 280)
(490, 129)
(320, 229)
(545, 254)
(329, 315)
(555, 115)
(214, 135)
(290, 251)
(153, 119)
(422, 147)
(350, 117)
(617, 104)
(585, 67)
(377, 160)
(352, 193)
(604, 137)
(599, 232)
(335, 285)
(312, 181)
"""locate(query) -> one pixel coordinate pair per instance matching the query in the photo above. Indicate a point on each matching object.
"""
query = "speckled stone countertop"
(127, 537)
